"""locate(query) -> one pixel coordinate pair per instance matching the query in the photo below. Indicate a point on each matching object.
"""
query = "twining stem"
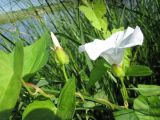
(100, 101)
(124, 92)
(78, 95)
(104, 102)
(37, 90)
(64, 73)
(27, 88)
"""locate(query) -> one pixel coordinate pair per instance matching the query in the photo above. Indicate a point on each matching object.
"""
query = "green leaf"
(89, 104)
(11, 66)
(66, 103)
(36, 55)
(40, 110)
(138, 70)
(147, 108)
(97, 72)
(95, 13)
(127, 114)
(18, 60)
(149, 90)
(126, 59)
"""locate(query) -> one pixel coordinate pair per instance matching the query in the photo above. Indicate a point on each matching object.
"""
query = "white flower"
(55, 41)
(112, 49)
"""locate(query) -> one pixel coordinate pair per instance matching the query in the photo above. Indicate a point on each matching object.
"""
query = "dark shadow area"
(4, 115)
(41, 114)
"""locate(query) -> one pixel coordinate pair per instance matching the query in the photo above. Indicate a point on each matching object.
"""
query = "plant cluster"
(44, 76)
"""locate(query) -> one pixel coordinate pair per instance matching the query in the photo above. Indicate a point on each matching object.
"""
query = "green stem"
(99, 100)
(135, 55)
(124, 92)
(96, 100)
(104, 102)
(27, 88)
(37, 90)
(64, 72)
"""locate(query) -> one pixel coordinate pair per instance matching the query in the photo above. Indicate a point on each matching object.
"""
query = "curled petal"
(55, 40)
(113, 56)
(136, 38)
(125, 34)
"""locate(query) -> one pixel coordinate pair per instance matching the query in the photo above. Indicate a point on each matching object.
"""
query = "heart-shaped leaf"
(149, 90)
(66, 104)
(11, 66)
(40, 110)
(12, 70)
(95, 13)
(36, 55)
(97, 72)
(138, 70)
(127, 114)
(147, 108)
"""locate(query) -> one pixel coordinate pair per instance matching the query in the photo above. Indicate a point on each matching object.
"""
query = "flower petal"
(55, 40)
(93, 49)
(136, 38)
(113, 56)
(126, 33)
(97, 47)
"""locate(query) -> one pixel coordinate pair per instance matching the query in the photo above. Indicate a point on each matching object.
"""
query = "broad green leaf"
(36, 55)
(149, 90)
(138, 70)
(90, 14)
(97, 72)
(40, 110)
(11, 66)
(147, 108)
(66, 103)
(95, 13)
(127, 114)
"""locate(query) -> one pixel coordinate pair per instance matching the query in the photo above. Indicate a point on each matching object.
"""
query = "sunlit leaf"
(40, 110)
(11, 66)
(95, 13)
(12, 69)
(66, 104)
(36, 55)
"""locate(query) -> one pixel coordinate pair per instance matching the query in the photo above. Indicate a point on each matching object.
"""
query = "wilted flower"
(112, 49)
(61, 56)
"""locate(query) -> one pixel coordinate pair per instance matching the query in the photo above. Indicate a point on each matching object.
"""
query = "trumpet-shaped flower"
(112, 49)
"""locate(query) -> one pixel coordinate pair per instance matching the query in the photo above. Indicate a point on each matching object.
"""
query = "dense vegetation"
(42, 81)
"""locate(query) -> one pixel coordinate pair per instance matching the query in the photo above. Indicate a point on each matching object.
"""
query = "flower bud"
(61, 56)
(118, 70)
